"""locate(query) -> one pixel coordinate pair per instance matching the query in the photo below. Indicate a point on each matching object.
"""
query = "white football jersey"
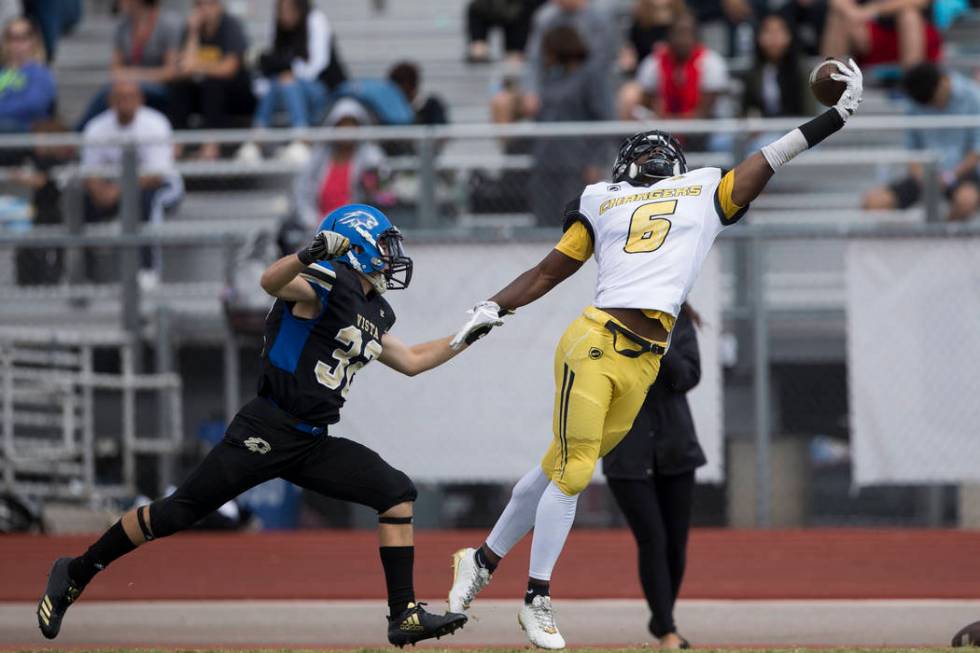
(650, 242)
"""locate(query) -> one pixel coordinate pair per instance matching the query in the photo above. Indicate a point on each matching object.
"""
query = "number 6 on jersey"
(648, 231)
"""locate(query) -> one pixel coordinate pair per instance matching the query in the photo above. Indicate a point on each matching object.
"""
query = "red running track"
(723, 564)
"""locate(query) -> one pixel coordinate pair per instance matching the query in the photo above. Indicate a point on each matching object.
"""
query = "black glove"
(325, 245)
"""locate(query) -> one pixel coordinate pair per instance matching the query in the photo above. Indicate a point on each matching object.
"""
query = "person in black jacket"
(651, 475)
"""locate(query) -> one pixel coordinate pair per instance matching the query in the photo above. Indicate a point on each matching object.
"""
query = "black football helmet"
(648, 157)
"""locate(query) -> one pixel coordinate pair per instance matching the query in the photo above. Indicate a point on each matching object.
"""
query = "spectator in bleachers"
(650, 21)
(935, 92)
(42, 265)
(518, 101)
(145, 48)
(776, 85)
(513, 17)
(430, 110)
(161, 187)
(563, 166)
(291, 70)
(212, 80)
(27, 88)
(738, 16)
(881, 32)
(55, 19)
(807, 18)
(341, 172)
(680, 79)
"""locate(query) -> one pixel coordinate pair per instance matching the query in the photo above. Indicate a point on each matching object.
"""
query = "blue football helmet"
(376, 245)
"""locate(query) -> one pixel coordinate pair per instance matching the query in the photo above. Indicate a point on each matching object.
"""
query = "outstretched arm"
(562, 262)
(752, 174)
(415, 359)
(536, 282)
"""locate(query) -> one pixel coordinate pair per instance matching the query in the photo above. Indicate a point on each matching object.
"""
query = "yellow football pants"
(598, 394)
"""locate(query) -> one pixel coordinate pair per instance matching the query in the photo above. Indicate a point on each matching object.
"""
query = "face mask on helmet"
(384, 261)
(648, 157)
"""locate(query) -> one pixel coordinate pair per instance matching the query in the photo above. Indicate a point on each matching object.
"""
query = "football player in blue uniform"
(329, 320)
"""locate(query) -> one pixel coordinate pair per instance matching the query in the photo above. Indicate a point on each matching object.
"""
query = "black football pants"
(262, 443)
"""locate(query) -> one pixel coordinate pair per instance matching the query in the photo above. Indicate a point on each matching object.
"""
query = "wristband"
(802, 138)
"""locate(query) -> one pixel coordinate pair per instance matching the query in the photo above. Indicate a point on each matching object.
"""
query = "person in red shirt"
(681, 78)
(341, 172)
(881, 32)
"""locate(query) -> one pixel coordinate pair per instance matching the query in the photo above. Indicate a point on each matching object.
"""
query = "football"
(826, 90)
(968, 635)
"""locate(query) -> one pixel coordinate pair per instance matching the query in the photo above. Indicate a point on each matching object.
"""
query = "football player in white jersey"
(650, 230)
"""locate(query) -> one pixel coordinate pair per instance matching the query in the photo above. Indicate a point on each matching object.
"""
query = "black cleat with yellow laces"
(60, 593)
(415, 624)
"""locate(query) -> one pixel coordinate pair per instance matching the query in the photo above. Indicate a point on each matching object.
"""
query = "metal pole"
(164, 359)
(930, 190)
(129, 257)
(72, 208)
(761, 388)
(232, 373)
(127, 360)
(427, 181)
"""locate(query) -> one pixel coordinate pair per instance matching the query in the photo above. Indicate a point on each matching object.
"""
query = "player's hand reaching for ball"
(483, 317)
(325, 245)
(851, 75)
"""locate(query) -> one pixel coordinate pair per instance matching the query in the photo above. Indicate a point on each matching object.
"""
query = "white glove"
(483, 317)
(325, 245)
(851, 97)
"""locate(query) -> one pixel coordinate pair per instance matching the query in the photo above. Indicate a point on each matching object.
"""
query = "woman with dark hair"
(776, 84)
(573, 88)
(292, 68)
(146, 44)
(651, 476)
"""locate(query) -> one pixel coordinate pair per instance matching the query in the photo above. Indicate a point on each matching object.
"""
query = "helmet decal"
(359, 220)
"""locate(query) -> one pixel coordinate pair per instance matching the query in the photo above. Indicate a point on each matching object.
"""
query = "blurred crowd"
(582, 60)
(558, 60)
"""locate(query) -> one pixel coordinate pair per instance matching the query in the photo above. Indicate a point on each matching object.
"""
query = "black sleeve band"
(394, 520)
(572, 215)
(147, 533)
(821, 127)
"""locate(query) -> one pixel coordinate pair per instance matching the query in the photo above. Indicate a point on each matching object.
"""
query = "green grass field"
(486, 650)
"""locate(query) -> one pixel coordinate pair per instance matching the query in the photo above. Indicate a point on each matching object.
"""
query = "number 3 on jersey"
(334, 377)
(648, 230)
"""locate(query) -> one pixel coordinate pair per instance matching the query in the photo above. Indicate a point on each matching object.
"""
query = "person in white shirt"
(160, 185)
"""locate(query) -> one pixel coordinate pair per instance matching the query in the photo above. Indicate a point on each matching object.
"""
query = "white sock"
(553, 521)
(518, 517)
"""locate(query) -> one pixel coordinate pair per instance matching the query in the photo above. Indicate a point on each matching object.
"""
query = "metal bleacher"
(430, 32)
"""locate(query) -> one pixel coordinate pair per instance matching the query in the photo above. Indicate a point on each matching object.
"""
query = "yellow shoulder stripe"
(576, 243)
(725, 201)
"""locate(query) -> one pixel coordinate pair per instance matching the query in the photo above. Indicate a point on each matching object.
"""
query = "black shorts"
(262, 443)
(908, 190)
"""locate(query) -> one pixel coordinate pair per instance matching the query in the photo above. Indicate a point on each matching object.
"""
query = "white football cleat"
(537, 620)
(468, 579)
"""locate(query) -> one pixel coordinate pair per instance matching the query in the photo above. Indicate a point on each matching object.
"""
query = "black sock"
(398, 562)
(483, 560)
(113, 544)
(535, 588)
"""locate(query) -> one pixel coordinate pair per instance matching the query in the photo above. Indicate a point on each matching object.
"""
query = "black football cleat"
(60, 593)
(415, 624)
